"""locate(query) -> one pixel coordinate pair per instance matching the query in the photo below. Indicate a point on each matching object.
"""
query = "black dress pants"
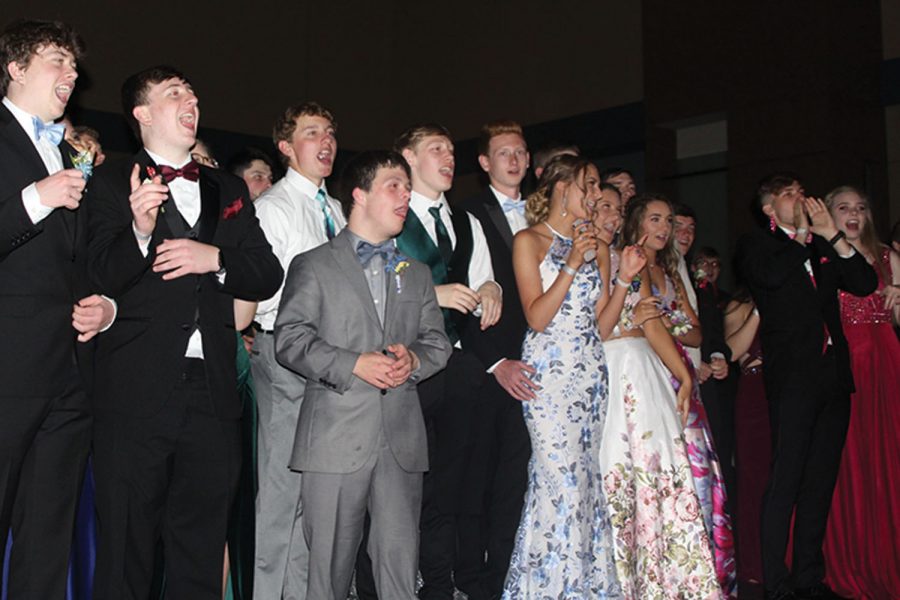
(169, 477)
(44, 445)
(809, 422)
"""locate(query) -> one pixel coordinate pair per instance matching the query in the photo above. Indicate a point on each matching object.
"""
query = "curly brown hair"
(22, 39)
(286, 123)
(565, 168)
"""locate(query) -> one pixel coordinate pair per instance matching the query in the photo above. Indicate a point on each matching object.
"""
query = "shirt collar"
(302, 183)
(159, 160)
(501, 197)
(25, 119)
(787, 231)
(421, 204)
(355, 239)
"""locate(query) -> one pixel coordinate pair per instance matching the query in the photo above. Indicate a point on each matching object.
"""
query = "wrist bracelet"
(567, 269)
(837, 237)
(622, 282)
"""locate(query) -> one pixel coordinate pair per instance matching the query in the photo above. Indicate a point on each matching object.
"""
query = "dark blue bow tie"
(365, 251)
(53, 132)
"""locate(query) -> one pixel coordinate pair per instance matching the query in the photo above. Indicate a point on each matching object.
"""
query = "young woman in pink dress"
(862, 541)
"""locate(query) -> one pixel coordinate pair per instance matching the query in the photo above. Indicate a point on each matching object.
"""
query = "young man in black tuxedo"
(794, 269)
(175, 243)
(496, 477)
(45, 419)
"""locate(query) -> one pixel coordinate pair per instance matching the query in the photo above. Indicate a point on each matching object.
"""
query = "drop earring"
(772, 224)
(563, 213)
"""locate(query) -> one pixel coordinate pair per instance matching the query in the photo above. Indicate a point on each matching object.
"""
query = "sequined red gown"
(862, 541)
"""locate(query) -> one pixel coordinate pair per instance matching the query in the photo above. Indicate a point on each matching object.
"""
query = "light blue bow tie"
(516, 205)
(53, 132)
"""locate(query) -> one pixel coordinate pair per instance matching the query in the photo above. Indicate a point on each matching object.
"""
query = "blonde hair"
(565, 168)
(868, 237)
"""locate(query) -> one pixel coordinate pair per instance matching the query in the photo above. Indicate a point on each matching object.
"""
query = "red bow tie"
(190, 171)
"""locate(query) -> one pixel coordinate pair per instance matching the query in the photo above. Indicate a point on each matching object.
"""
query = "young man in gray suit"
(361, 323)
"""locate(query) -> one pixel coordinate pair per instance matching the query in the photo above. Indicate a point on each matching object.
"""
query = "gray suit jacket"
(326, 319)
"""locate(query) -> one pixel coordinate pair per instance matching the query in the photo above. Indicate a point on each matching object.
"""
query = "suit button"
(383, 392)
(185, 326)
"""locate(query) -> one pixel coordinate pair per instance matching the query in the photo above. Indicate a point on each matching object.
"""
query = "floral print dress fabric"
(563, 547)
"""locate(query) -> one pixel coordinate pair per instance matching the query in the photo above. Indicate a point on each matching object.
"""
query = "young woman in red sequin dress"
(862, 542)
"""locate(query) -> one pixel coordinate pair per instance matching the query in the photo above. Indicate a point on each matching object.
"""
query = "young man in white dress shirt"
(297, 214)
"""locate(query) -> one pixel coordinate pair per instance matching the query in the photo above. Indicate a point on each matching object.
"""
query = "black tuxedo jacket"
(139, 359)
(503, 340)
(793, 311)
(41, 273)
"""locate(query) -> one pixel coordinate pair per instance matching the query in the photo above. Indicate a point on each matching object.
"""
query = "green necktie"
(445, 247)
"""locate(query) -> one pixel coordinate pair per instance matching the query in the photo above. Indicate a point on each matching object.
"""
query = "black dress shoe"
(781, 594)
(817, 592)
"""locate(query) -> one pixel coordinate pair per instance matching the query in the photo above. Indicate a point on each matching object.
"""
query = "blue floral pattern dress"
(563, 547)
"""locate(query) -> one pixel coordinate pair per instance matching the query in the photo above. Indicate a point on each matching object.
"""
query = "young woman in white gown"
(662, 549)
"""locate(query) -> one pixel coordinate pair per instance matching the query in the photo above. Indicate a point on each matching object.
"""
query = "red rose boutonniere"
(824, 260)
(233, 209)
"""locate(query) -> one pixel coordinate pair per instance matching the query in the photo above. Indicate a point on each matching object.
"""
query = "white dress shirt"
(480, 268)
(516, 221)
(50, 156)
(292, 220)
(693, 353)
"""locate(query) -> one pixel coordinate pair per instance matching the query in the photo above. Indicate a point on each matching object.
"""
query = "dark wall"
(798, 82)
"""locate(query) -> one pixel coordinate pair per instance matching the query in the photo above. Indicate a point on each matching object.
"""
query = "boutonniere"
(823, 260)
(84, 162)
(396, 266)
(233, 209)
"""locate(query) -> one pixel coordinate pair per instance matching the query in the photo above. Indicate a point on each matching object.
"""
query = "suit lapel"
(348, 264)
(209, 208)
(168, 219)
(19, 140)
(498, 219)
(391, 298)
(69, 217)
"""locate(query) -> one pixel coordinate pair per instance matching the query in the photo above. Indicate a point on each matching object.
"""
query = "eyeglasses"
(204, 160)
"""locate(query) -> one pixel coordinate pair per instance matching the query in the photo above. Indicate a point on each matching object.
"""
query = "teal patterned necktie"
(330, 228)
